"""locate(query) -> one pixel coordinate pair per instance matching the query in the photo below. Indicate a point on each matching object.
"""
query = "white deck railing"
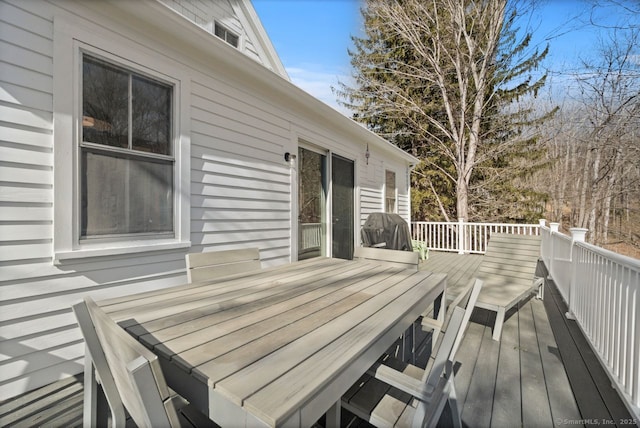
(310, 236)
(463, 237)
(602, 289)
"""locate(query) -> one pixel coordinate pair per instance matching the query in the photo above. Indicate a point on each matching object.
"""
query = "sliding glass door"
(312, 203)
(317, 173)
(342, 209)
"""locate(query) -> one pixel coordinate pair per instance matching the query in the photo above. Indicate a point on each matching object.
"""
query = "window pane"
(219, 31)
(232, 39)
(151, 116)
(390, 191)
(125, 195)
(105, 106)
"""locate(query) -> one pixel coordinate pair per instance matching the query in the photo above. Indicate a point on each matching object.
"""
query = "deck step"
(55, 405)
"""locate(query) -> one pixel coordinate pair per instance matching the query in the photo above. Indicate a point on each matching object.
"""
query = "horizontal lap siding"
(204, 14)
(196, 11)
(26, 144)
(240, 185)
(371, 201)
(240, 197)
(38, 339)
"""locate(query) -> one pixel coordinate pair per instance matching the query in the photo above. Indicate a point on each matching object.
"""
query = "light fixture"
(367, 154)
(288, 156)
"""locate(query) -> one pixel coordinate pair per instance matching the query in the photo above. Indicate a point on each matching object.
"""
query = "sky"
(312, 37)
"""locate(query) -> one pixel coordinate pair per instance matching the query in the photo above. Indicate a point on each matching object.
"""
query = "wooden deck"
(520, 381)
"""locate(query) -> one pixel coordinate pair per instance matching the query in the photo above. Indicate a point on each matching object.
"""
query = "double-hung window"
(126, 154)
(122, 146)
(390, 192)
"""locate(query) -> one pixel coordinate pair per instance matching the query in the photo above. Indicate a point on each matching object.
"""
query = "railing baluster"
(602, 288)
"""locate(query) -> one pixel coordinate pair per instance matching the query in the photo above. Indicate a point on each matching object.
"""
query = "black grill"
(384, 230)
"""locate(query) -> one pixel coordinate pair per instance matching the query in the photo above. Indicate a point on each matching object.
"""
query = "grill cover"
(386, 230)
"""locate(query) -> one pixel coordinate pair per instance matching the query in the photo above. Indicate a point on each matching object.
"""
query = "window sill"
(123, 249)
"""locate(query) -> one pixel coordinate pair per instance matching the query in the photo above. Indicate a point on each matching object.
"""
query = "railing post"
(578, 234)
(544, 249)
(553, 228)
(461, 236)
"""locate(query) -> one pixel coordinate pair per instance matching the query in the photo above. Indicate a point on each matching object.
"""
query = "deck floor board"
(539, 374)
(478, 404)
(537, 412)
(507, 404)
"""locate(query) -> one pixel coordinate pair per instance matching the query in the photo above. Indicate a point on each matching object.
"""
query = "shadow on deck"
(541, 373)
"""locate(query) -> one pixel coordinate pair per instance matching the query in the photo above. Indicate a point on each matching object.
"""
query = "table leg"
(333, 416)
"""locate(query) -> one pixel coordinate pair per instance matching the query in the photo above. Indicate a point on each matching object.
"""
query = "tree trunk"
(462, 194)
(606, 209)
(582, 208)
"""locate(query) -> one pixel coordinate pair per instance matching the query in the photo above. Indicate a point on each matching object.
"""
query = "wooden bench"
(213, 264)
(402, 259)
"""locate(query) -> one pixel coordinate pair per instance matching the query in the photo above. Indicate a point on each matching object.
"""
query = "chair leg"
(497, 328)
(453, 405)
(540, 284)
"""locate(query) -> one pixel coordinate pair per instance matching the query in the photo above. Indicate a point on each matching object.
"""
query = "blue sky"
(312, 37)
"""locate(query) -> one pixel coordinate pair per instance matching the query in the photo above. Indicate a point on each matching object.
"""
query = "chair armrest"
(431, 324)
(404, 382)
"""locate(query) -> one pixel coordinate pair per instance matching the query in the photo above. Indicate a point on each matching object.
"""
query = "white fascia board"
(164, 21)
(250, 18)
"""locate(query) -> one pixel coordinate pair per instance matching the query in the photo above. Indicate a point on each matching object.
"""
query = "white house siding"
(240, 188)
(240, 185)
(372, 177)
(204, 13)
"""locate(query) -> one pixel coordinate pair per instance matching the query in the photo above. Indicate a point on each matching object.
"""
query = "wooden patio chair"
(213, 264)
(130, 375)
(395, 394)
(508, 272)
(467, 300)
(396, 258)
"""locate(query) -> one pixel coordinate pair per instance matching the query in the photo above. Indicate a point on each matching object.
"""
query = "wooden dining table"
(277, 346)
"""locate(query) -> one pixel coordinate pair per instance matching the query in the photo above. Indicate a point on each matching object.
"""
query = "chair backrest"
(431, 377)
(510, 258)
(130, 373)
(454, 332)
(213, 264)
(466, 300)
(396, 258)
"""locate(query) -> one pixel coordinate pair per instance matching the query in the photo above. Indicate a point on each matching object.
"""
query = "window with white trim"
(226, 35)
(126, 153)
(121, 134)
(390, 192)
